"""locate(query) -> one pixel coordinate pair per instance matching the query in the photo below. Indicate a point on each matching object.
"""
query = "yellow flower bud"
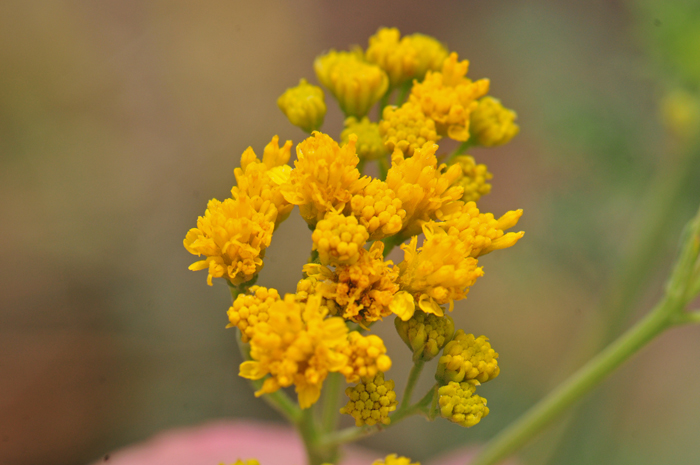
(460, 405)
(425, 334)
(356, 84)
(406, 128)
(474, 178)
(339, 239)
(492, 124)
(371, 400)
(467, 358)
(304, 105)
(250, 309)
(370, 145)
(394, 460)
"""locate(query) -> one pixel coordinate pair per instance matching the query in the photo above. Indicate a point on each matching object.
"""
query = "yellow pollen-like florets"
(448, 97)
(492, 124)
(361, 292)
(430, 54)
(304, 105)
(406, 128)
(356, 84)
(425, 334)
(247, 462)
(460, 405)
(297, 345)
(260, 179)
(422, 186)
(325, 177)
(339, 239)
(366, 357)
(371, 400)
(378, 209)
(439, 272)
(233, 235)
(393, 459)
(467, 358)
(250, 309)
(474, 179)
(370, 145)
(480, 232)
(397, 57)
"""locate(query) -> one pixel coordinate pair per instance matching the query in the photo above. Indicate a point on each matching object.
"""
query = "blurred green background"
(120, 119)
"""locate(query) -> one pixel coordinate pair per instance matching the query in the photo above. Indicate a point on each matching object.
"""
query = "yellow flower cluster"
(301, 338)
(234, 234)
(448, 97)
(404, 58)
(406, 128)
(247, 462)
(339, 239)
(493, 124)
(378, 209)
(361, 292)
(366, 357)
(371, 400)
(474, 178)
(304, 105)
(297, 345)
(393, 459)
(468, 358)
(422, 186)
(460, 405)
(355, 83)
(325, 177)
(250, 309)
(425, 334)
(370, 145)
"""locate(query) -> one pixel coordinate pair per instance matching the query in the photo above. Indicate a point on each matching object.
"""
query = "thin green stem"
(403, 93)
(411, 383)
(461, 149)
(383, 164)
(317, 453)
(578, 385)
(384, 101)
(692, 317)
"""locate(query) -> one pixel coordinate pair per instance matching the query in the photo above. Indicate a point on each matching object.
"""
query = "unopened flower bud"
(304, 105)
(492, 124)
(460, 405)
(466, 358)
(425, 334)
(371, 400)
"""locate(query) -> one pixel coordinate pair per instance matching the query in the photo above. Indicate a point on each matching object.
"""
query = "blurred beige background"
(120, 119)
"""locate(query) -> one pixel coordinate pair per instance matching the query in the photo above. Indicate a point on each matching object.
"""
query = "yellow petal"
(403, 305)
(428, 305)
(251, 370)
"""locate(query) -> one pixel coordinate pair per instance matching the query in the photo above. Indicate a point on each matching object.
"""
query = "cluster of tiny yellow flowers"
(423, 202)
(393, 459)
(460, 405)
(371, 400)
(474, 179)
(247, 462)
(468, 358)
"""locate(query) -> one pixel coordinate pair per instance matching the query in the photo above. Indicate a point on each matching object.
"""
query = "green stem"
(384, 101)
(579, 384)
(346, 435)
(383, 164)
(403, 93)
(316, 452)
(692, 317)
(459, 150)
(331, 399)
(411, 383)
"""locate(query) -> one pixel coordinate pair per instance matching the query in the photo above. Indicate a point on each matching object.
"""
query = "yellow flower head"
(460, 405)
(406, 128)
(422, 186)
(397, 57)
(233, 236)
(247, 462)
(448, 97)
(356, 84)
(361, 292)
(371, 400)
(480, 232)
(394, 460)
(439, 272)
(378, 209)
(260, 180)
(467, 358)
(325, 177)
(430, 54)
(370, 145)
(474, 178)
(339, 239)
(297, 345)
(366, 357)
(492, 124)
(425, 334)
(250, 309)
(304, 105)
